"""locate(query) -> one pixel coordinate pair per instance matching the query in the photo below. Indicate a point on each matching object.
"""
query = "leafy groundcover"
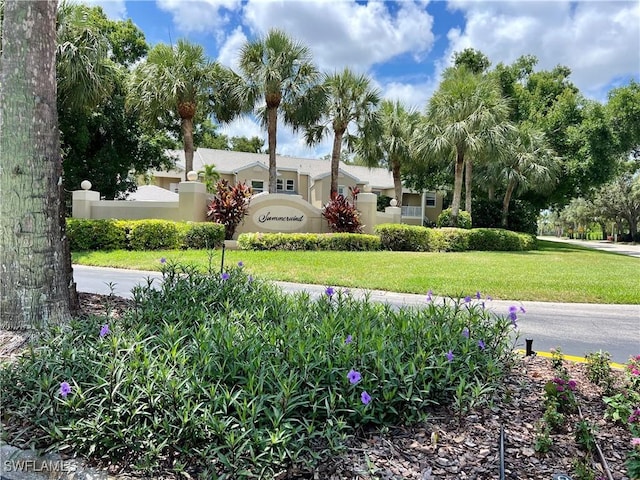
(224, 376)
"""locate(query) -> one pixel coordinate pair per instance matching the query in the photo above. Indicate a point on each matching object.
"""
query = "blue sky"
(405, 45)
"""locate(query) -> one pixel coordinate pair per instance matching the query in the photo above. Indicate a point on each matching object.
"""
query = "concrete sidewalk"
(630, 249)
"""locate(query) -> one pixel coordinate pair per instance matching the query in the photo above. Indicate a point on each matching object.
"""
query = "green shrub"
(203, 235)
(229, 376)
(449, 239)
(407, 238)
(154, 235)
(500, 240)
(309, 241)
(87, 234)
(446, 220)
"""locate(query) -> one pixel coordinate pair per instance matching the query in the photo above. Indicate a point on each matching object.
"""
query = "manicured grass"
(554, 273)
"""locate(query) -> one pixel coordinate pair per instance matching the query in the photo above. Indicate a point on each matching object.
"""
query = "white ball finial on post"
(85, 185)
(192, 176)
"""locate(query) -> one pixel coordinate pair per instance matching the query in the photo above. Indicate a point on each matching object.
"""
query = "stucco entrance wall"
(278, 212)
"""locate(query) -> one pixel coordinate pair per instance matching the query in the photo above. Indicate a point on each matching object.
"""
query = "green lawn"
(556, 272)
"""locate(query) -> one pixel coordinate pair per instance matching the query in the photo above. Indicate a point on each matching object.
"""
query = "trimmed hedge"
(309, 241)
(403, 238)
(420, 239)
(109, 234)
(86, 234)
(445, 219)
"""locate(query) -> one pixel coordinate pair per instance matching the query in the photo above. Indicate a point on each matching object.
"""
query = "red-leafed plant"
(229, 205)
(342, 215)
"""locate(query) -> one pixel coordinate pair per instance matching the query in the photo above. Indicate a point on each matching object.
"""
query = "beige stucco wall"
(125, 210)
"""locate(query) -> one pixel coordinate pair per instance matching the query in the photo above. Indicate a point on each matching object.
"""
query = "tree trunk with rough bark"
(34, 288)
(457, 187)
(506, 201)
(468, 177)
(272, 131)
(187, 138)
(335, 162)
(397, 180)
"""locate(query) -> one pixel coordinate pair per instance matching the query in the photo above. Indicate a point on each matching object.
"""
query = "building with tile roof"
(309, 178)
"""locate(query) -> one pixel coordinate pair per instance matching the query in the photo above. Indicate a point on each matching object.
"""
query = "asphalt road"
(577, 328)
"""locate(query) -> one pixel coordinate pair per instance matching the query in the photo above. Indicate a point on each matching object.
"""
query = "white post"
(82, 199)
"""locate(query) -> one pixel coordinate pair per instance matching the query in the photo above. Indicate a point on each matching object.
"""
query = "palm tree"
(85, 74)
(466, 118)
(351, 100)
(529, 164)
(210, 176)
(170, 86)
(278, 75)
(392, 144)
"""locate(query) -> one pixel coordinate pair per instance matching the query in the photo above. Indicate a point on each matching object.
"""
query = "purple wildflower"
(240, 264)
(465, 332)
(572, 385)
(478, 295)
(365, 397)
(467, 299)
(104, 331)
(449, 356)
(348, 340)
(250, 279)
(163, 260)
(430, 295)
(522, 310)
(489, 297)
(65, 389)
(481, 344)
(224, 276)
(354, 377)
(329, 292)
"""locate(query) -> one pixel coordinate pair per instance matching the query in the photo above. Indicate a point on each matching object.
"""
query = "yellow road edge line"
(573, 358)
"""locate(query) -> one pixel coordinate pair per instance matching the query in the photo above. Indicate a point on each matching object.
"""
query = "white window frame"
(290, 185)
(256, 189)
(430, 196)
(279, 185)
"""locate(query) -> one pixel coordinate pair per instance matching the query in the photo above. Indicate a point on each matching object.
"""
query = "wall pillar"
(192, 202)
(81, 201)
(367, 206)
(394, 211)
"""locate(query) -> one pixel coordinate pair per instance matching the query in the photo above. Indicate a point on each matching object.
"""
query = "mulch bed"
(450, 447)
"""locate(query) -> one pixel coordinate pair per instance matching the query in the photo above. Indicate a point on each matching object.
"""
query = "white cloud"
(114, 9)
(341, 33)
(597, 40)
(199, 16)
(411, 95)
(230, 49)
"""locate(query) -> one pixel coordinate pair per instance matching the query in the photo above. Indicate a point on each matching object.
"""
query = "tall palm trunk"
(505, 202)
(468, 177)
(272, 129)
(397, 180)
(457, 186)
(335, 161)
(187, 138)
(33, 285)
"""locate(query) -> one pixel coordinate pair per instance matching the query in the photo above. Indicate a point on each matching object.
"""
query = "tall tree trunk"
(272, 130)
(335, 162)
(506, 201)
(187, 138)
(468, 177)
(397, 180)
(457, 186)
(33, 281)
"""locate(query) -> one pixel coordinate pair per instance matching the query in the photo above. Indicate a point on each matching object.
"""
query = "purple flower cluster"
(354, 377)
(330, 292)
(104, 331)
(65, 389)
(562, 384)
(513, 314)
